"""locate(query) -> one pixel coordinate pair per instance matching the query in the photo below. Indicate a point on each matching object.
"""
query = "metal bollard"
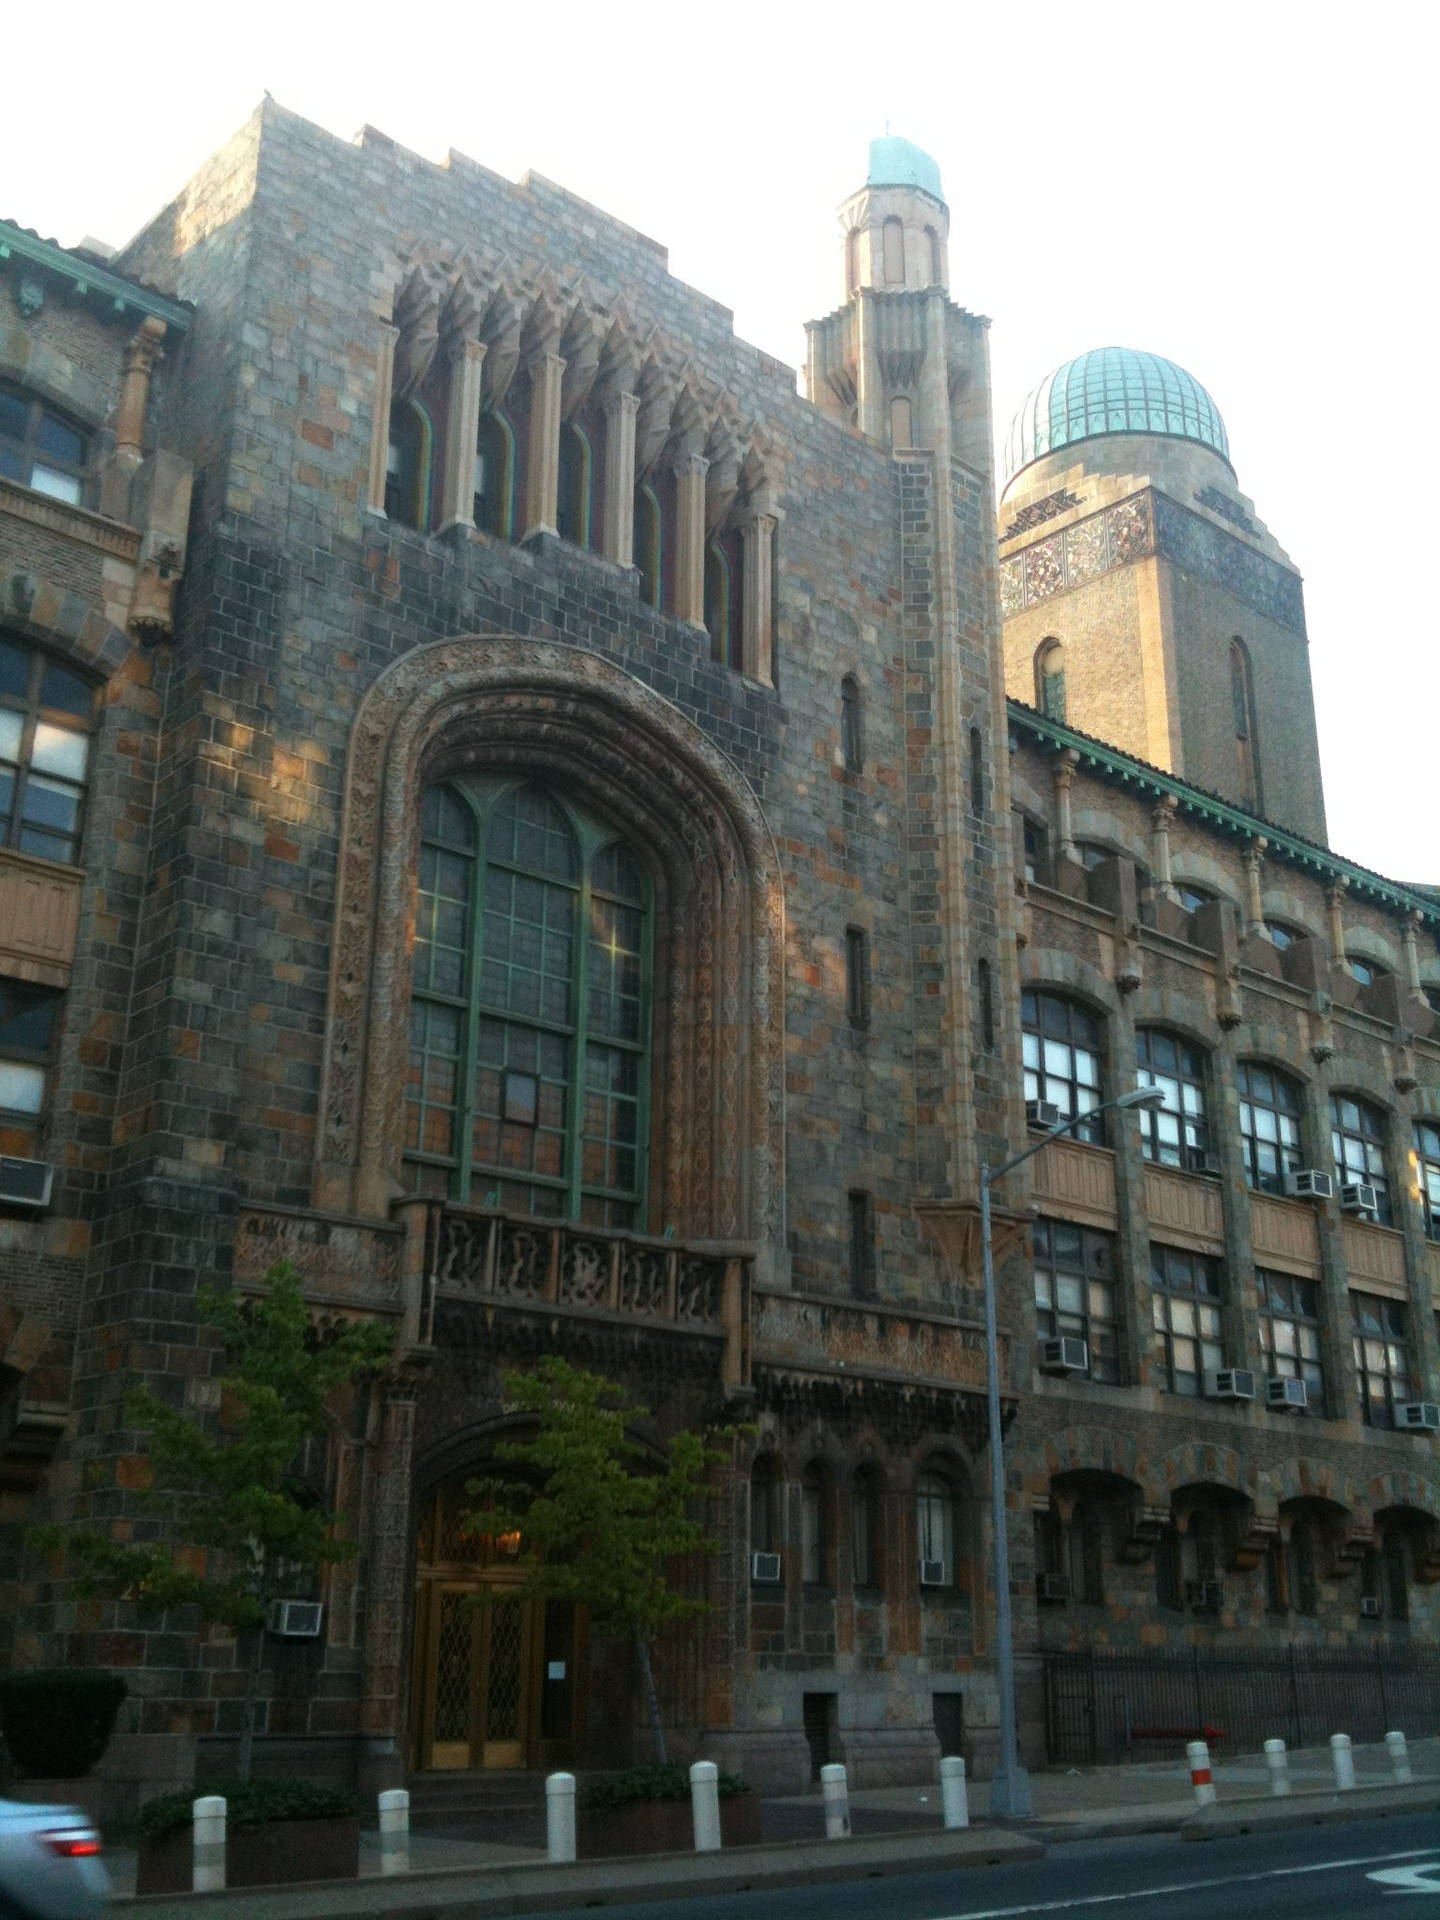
(1399, 1759)
(705, 1805)
(954, 1795)
(1198, 1754)
(395, 1831)
(1279, 1765)
(1344, 1762)
(560, 1818)
(208, 1816)
(836, 1795)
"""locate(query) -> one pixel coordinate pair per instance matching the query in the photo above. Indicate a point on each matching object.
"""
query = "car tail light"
(75, 1845)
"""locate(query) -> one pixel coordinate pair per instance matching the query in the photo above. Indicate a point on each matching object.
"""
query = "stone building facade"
(552, 878)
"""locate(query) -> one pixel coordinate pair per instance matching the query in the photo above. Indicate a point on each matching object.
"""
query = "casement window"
(29, 1022)
(40, 448)
(1380, 1345)
(1270, 1106)
(46, 711)
(1358, 1133)
(1075, 1290)
(1060, 1045)
(1174, 1135)
(935, 1529)
(1290, 1330)
(1185, 1311)
(530, 1019)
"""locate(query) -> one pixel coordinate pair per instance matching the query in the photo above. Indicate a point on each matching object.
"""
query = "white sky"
(1247, 189)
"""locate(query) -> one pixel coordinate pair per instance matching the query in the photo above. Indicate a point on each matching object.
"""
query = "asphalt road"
(1310, 1873)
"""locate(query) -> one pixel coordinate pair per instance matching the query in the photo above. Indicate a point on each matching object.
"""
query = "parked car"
(50, 1865)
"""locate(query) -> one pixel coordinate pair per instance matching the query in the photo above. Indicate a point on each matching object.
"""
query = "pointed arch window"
(495, 476)
(723, 610)
(902, 430)
(530, 1024)
(648, 549)
(852, 725)
(407, 466)
(892, 246)
(1050, 679)
(576, 486)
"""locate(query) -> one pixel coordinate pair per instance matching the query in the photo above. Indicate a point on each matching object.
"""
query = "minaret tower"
(898, 360)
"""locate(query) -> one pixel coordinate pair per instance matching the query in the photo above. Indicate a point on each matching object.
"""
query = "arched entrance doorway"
(497, 1678)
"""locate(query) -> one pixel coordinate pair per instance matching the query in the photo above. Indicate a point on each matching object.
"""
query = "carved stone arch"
(1273, 1046)
(1352, 1073)
(1178, 1013)
(1051, 970)
(1303, 1478)
(38, 365)
(1198, 1463)
(504, 703)
(37, 608)
(1400, 1489)
(1094, 1450)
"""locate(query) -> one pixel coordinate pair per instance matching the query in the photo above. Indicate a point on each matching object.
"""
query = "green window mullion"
(579, 1066)
(465, 1089)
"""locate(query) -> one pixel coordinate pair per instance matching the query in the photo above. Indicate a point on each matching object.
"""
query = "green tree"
(234, 1523)
(600, 1523)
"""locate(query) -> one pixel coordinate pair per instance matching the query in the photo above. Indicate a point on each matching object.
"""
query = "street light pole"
(1010, 1797)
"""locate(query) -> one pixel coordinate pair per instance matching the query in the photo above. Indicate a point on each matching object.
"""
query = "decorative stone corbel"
(1139, 1531)
(1349, 1545)
(1403, 1076)
(1252, 1539)
(1322, 1032)
(152, 604)
(1162, 816)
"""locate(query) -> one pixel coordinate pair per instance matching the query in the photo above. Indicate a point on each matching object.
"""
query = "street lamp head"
(1148, 1097)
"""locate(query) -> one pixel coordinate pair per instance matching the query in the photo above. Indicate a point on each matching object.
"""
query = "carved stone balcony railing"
(524, 1262)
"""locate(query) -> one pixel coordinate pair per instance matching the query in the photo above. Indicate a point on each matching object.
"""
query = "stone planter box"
(280, 1854)
(663, 1826)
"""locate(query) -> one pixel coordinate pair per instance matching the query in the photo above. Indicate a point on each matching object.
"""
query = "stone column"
(542, 455)
(380, 418)
(1254, 857)
(462, 428)
(757, 626)
(1334, 904)
(1408, 930)
(1064, 775)
(388, 1596)
(619, 525)
(690, 472)
(1160, 818)
(140, 357)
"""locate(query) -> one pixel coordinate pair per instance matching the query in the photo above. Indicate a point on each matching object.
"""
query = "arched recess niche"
(503, 704)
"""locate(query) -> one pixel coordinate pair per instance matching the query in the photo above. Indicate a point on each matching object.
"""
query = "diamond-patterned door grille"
(453, 1668)
(502, 1703)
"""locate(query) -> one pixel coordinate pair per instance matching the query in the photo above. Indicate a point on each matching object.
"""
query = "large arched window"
(649, 557)
(1050, 679)
(935, 1528)
(1270, 1108)
(867, 1551)
(1358, 1132)
(724, 610)
(45, 716)
(1060, 1042)
(1174, 1134)
(530, 1029)
(1242, 701)
(814, 1541)
(41, 448)
(892, 251)
(494, 476)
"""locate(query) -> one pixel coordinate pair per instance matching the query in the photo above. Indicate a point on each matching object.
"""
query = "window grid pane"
(44, 751)
(1185, 1311)
(1290, 1331)
(1063, 1063)
(1174, 1135)
(1269, 1125)
(1357, 1138)
(1075, 1291)
(1384, 1368)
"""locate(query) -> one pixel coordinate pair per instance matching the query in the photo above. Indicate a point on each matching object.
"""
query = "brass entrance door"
(481, 1643)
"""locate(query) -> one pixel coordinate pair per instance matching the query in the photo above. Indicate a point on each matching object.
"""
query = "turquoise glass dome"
(1112, 390)
(899, 163)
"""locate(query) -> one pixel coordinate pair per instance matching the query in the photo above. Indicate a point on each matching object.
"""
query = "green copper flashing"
(900, 163)
(1113, 765)
(86, 280)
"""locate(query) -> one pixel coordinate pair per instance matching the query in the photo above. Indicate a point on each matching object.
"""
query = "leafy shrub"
(647, 1783)
(249, 1803)
(57, 1722)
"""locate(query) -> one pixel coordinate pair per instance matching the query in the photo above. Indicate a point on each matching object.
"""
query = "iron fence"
(1108, 1704)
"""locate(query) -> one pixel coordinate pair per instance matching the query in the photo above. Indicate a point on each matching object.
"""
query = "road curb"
(1225, 1820)
(448, 1893)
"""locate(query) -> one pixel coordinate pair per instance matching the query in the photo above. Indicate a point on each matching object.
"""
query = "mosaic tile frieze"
(1039, 511)
(1150, 523)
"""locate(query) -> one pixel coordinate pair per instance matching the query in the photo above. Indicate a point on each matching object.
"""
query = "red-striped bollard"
(1198, 1754)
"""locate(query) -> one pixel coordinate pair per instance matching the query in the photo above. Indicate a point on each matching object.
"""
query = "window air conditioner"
(1203, 1595)
(1230, 1383)
(1358, 1196)
(765, 1569)
(1286, 1395)
(1066, 1355)
(1198, 1161)
(932, 1573)
(1052, 1588)
(1043, 1114)
(1369, 1607)
(1417, 1416)
(1309, 1184)
(25, 1183)
(295, 1619)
